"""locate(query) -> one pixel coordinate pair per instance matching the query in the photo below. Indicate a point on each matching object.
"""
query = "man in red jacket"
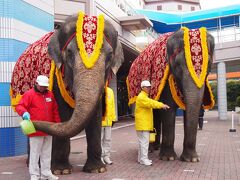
(39, 104)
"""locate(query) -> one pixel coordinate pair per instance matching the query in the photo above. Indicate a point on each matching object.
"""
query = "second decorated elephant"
(177, 64)
(85, 51)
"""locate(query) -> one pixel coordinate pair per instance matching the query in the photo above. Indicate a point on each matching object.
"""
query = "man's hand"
(26, 116)
(165, 106)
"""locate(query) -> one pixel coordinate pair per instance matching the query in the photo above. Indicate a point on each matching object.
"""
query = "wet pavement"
(219, 152)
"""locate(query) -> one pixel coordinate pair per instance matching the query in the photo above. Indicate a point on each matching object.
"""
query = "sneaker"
(34, 177)
(103, 161)
(49, 177)
(148, 160)
(108, 161)
(146, 163)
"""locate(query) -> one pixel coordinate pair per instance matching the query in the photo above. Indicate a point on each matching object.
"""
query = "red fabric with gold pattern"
(33, 62)
(196, 50)
(89, 33)
(149, 65)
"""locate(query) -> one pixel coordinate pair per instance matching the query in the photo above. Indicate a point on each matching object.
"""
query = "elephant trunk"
(193, 97)
(87, 89)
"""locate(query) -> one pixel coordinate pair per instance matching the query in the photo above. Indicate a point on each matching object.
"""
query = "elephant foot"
(62, 172)
(100, 170)
(167, 154)
(61, 169)
(190, 157)
(96, 167)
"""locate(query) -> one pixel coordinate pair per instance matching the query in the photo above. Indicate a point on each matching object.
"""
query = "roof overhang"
(136, 22)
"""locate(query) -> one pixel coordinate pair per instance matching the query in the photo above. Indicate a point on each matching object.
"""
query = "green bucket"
(27, 127)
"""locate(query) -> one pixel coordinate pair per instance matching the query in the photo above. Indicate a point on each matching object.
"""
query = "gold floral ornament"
(89, 33)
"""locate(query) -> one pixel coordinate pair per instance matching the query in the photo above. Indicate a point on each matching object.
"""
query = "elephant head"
(177, 60)
(86, 84)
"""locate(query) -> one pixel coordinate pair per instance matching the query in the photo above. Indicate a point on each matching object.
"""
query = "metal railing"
(225, 33)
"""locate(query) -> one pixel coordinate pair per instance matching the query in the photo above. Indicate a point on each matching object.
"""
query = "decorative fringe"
(198, 81)
(162, 84)
(173, 90)
(89, 61)
(133, 99)
(210, 106)
(14, 101)
(67, 98)
(51, 74)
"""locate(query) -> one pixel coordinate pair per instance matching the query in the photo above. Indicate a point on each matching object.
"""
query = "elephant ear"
(118, 58)
(175, 49)
(54, 49)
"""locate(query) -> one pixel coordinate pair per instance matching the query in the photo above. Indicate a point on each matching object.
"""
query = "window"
(192, 8)
(179, 7)
(159, 8)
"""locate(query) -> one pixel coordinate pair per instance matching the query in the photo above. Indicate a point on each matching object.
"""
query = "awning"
(167, 22)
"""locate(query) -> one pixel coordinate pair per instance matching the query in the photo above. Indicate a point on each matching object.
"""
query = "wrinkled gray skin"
(87, 86)
(193, 98)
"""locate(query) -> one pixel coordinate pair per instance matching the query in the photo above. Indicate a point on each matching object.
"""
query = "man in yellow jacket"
(144, 121)
(107, 121)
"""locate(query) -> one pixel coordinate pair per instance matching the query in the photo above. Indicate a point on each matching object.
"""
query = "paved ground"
(218, 148)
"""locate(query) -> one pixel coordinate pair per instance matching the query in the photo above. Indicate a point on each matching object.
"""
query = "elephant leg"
(158, 126)
(94, 150)
(61, 146)
(168, 136)
(60, 156)
(168, 126)
(189, 153)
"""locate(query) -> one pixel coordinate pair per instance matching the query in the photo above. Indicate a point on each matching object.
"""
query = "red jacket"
(41, 107)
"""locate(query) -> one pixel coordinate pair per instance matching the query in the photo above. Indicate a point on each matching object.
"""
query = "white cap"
(145, 83)
(42, 80)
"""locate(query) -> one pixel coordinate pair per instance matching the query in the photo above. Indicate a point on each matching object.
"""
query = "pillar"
(222, 91)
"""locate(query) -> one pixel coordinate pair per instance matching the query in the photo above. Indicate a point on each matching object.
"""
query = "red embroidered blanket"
(151, 65)
(33, 62)
(36, 61)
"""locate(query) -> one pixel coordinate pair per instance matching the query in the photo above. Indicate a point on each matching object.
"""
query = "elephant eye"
(70, 57)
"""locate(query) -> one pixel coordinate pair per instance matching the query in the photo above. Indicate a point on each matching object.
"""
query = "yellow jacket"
(110, 114)
(143, 112)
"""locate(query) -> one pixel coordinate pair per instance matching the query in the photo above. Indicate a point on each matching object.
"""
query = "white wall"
(171, 6)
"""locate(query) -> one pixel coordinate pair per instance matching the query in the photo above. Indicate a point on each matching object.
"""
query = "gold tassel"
(210, 106)
(131, 100)
(174, 93)
(67, 98)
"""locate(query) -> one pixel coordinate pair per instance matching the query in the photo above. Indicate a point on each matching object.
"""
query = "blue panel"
(28, 14)
(21, 142)
(179, 112)
(10, 49)
(12, 142)
(163, 28)
(4, 95)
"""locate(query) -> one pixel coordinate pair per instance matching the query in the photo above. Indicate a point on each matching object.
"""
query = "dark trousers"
(200, 122)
